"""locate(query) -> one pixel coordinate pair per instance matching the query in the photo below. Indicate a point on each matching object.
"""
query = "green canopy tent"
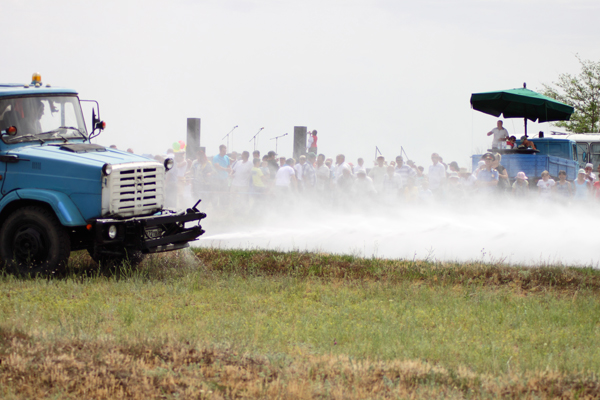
(521, 103)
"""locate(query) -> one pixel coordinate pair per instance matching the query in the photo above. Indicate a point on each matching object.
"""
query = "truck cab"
(59, 192)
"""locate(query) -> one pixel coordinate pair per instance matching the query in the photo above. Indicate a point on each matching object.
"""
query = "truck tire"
(33, 242)
(130, 257)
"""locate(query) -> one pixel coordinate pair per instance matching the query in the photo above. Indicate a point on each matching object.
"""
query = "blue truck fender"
(64, 208)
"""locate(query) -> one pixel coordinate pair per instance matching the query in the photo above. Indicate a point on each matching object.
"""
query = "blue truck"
(59, 192)
(552, 155)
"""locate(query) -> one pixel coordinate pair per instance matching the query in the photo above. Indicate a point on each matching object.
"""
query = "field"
(213, 323)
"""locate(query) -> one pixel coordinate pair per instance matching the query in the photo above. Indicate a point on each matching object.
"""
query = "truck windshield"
(42, 118)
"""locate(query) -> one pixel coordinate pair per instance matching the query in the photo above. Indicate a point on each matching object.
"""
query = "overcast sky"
(363, 73)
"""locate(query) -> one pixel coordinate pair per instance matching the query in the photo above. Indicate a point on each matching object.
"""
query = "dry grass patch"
(102, 370)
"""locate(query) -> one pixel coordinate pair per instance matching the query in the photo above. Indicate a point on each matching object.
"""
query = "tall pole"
(254, 137)
(227, 136)
(276, 138)
(402, 151)
(377, 152)
(525, 119)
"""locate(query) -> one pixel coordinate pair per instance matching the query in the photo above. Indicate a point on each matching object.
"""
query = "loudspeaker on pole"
(193, 137)
(299, 141)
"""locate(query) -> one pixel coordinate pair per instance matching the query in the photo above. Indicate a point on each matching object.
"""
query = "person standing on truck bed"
(312, 142)
(500, 136)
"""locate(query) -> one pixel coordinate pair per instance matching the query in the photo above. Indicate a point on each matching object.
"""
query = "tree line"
(582, 92)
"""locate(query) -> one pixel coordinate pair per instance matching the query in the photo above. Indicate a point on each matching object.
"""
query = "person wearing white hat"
(589, 174)
(581, 186)
(363, 185)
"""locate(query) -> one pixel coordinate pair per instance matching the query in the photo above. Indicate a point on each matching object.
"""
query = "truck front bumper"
(151, 234)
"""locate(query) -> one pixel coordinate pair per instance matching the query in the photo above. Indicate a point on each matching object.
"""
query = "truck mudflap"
(166, 231)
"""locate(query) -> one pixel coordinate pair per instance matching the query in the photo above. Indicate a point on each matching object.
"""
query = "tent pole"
(525, 119)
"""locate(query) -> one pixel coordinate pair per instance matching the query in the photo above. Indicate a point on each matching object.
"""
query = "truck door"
(595, 154)
(2, 172)
(583, 151)
(7, 119)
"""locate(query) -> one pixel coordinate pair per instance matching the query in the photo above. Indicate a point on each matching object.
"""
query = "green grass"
(492, 320)
(490, 329)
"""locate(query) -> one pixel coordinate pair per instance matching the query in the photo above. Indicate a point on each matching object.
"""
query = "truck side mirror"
(97, 124)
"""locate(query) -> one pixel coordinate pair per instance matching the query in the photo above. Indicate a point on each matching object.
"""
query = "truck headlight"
(112, 232)
(169, 163)
(106, 169)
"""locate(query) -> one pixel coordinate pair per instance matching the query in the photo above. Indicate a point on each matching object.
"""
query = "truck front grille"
(134, 189)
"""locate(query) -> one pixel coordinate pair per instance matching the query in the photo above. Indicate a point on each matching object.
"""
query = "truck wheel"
(33, 242)
(131, 257)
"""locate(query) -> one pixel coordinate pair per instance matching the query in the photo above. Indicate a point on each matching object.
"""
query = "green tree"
(582, 92)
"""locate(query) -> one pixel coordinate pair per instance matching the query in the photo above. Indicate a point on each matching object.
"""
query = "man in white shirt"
(377, 173)
(323, 174)
(241, 173)
(360, 165)
(285, 177)
(363, 185)
(340, 166)
(437, 174)
(309, 176)
(403, 171)
(299, 168)
(466, 179)
(241, 176)
(500, 136)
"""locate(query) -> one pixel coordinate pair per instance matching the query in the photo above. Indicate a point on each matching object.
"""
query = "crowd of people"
(232, 179)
